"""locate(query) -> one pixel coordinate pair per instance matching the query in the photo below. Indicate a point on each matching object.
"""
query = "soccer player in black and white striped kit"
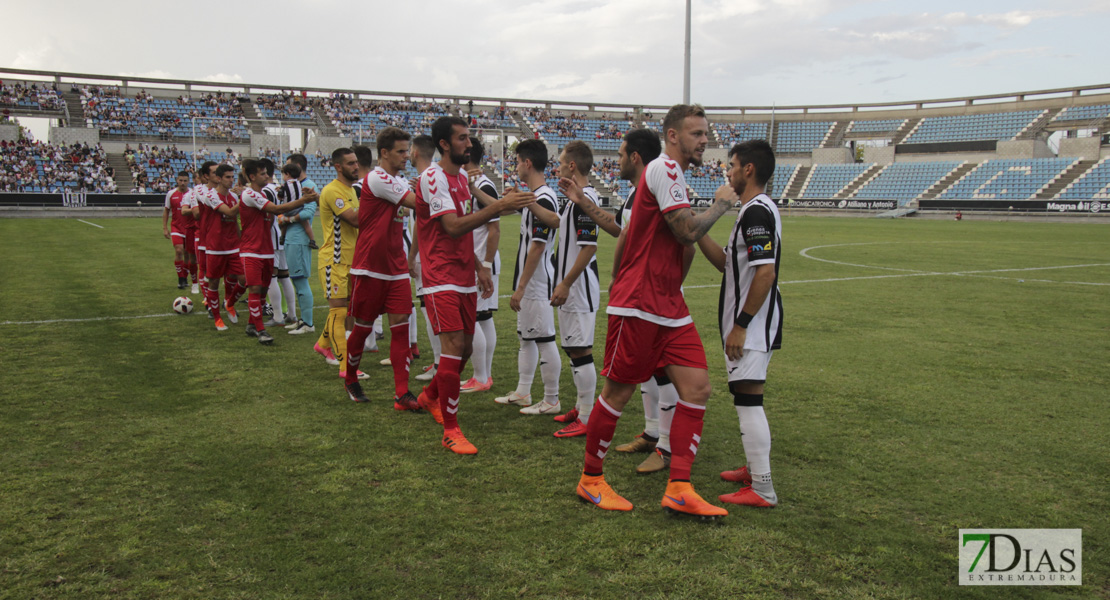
(750, 313)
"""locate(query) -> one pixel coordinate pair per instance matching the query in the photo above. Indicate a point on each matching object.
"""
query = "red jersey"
(649, 283)
(222, 236)
(256, 241)
(380, 250)
(446, 263)
(178, 221)
(195, 198)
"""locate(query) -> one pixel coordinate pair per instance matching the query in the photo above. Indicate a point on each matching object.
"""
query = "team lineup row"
(369, 259)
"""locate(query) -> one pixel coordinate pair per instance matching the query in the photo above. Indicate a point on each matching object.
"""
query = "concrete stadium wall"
(882, 155)
(327, 144)
(947, 156)
(9, 133)
(73, 135)
(275, 142)
(833, 156)
(1024, 149)
(1088, 148)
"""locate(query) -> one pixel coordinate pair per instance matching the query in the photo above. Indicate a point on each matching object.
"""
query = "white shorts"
(576, 329)
(279, 260)
(536, 319)
(751, 367)
(490, 303)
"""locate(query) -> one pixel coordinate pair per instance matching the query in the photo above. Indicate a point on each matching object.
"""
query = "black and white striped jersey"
(481, 234)
(626, 210)
(541, 286)
(577, 229)
(756, 240)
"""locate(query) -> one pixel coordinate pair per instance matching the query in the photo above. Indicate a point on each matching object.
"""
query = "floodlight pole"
(686, 72)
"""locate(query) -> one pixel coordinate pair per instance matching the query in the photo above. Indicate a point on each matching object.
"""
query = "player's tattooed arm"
(713, 252)
(604, 220)
(689, 228)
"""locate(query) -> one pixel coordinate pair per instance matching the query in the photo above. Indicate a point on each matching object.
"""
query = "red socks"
(355, 344)
(254, 304)
(180, 266)
(233, 291)
(448, 384)
(213, 297)
(685, 438)
(192, 268)
(399, 355)
(599, 434)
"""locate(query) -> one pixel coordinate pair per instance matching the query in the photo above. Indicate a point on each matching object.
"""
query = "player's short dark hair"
(300, 160)
(183, 174)
(206, 167)
(388, 138)
(678, 113)
(251, 167)
(364, 155)
(425, 146)
(582, 155)
(645, 142)
(268, 165)
(758, 153)
(441, 129)
(535, 151)
(220, 170)
(292, 169)
(338, 154)
(477, 151)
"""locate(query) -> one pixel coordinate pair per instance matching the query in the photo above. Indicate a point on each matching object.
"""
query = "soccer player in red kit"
(256, 248)
(444, 222)
(177, 227)
(650, 328)
(380, 269)
(222, 243)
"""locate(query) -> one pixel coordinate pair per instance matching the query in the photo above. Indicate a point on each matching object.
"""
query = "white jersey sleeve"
(188, 200)
(666, 182)
(211, 199)
(169, 195)
(436, 192)
(383, 185)
(254, 199)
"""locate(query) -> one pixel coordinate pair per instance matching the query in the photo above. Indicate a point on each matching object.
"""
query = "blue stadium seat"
(967, 128)
(1093, 185)
(1008, 179)
(826, 180)
(905, 181)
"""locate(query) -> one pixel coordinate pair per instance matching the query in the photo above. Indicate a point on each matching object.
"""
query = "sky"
(745, 52)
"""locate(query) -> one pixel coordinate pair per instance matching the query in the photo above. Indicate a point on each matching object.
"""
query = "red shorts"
(636, 349)
(178, 236)
(190, 241)
(259, 271)
(451, 311)
(374, 297)
(217, 266)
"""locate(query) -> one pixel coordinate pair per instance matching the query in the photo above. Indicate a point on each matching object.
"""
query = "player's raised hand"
(472, 175)
(310, 195)
(516, 200)
(414, 182)
(572, 190)
(725, 192)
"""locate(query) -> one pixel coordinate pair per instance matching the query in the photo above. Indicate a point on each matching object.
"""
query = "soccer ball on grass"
(183, 305)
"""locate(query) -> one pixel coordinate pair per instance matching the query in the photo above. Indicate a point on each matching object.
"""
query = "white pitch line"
(93, 224)
(88, 320)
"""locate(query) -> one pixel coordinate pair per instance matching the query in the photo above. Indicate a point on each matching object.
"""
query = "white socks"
(433, 339)
(755, 433)
(649, 392)
(585, 382)
(490, 333)
(526, 361)
(478, 356)
(412, 327)
(273, 296)
(668, 399)
(289, 294)
(551, 364)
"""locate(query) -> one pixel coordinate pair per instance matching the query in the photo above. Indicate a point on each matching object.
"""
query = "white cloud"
(223, 78)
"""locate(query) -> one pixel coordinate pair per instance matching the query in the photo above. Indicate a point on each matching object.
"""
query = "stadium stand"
(801, 136)
(1008, 179)
(877, 126)
(283, 107)
(905, 181)
(967, 128)
(30, 166)
(30, 97)
(368, 116)
(826, 180)
(1094, 184)
(217, 116)
(604, 135)
(1095, 112)
(733, 133)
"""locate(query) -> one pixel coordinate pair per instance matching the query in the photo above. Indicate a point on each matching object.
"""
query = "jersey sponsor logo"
(437, 204)
(585, 232)
(398, 188)
(760, 248)
(339, 203)
(756, 230)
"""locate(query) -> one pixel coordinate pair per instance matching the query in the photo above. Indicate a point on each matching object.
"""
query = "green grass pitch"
(930, 380)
